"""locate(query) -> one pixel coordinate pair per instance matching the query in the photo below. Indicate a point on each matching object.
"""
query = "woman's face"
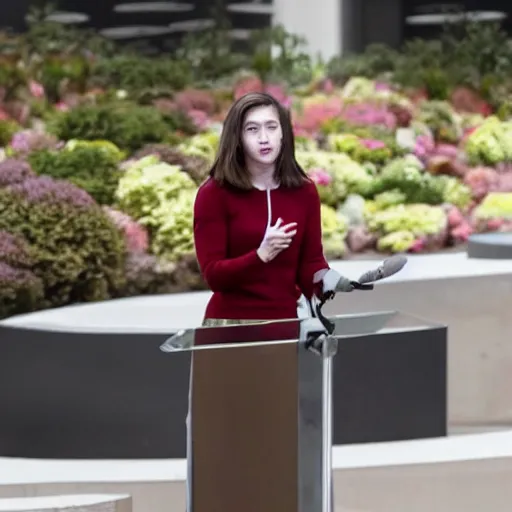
(262, 136)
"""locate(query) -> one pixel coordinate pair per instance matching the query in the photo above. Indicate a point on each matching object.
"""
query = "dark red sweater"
(229, 226)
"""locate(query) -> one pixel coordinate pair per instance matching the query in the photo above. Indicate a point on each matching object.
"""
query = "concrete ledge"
(473, 297)
(470, 473)
(68, 503)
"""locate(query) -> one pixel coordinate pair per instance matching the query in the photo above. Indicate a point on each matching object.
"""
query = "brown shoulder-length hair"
(229, 166)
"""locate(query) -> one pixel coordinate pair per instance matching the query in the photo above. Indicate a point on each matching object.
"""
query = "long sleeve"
(312, 256)
(222, 274)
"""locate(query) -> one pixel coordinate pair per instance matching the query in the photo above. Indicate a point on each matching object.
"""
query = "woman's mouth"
(265, 151)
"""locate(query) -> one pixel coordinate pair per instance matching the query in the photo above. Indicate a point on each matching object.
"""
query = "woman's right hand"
(277, 239)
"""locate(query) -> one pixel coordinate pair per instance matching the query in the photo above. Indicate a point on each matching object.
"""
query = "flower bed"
(98, 175)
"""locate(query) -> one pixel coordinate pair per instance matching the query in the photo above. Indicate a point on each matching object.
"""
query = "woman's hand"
(277, 239)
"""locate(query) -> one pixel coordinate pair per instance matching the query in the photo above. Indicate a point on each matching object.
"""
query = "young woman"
(257, 226)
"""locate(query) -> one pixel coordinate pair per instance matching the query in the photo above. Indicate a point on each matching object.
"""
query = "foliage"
(334, 232)
(196, 166)
(148, 274)
(20, 290)
(469, 53)
(495, 205)
(174, 238)
(139, 75)
(160, 196)
(361, 150)
(406, 175)
(48, 37)
(279, 55)
(400, 226)
(24, 142)
(441, 119)
(90, 167)
(376, 60)
(77, 251)
(203, 145)
(126, 125)
(103, 149)
(8, 128)
(348, 177)
(490, 143)
(135, 236)
(14, 171)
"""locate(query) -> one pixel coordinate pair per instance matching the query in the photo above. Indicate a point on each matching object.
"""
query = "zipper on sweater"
(269, 209)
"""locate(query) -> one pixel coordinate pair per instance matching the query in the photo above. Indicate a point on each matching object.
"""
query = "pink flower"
(448, 150)
(195, 99)
(418, 245)
(381, 86)
(368, 114)
(328, 86)
(495, 224)
(320, 176)
(455, 217)
(314, 115)
(135, 236)
(373, 144)
(424, 146)
(200, 118)
(278, 92)
(462, 232)
(36, 89)
(61, 106)
(246, 86)
(481, 181)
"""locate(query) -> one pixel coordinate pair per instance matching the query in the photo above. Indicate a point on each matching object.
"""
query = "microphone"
(389, 267)
(333, 282)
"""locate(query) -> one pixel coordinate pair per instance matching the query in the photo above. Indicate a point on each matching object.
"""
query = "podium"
(260, 413)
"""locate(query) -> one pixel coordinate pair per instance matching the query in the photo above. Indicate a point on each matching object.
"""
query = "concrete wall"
(478, 314)
(319, 21)
(333, 27)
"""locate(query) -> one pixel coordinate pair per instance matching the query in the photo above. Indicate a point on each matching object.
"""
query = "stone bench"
(67, 503)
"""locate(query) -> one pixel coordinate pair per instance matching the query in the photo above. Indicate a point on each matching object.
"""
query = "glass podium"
(260, 410)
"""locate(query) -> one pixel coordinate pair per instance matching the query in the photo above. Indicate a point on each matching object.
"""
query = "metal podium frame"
(317, 342)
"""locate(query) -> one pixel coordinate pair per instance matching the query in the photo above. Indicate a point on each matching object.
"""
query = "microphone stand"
(318, 333)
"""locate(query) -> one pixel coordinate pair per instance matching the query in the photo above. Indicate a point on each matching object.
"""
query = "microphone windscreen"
(393, 265)
(388, 267)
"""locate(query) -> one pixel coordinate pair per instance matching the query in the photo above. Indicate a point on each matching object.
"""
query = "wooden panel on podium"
(244, 429)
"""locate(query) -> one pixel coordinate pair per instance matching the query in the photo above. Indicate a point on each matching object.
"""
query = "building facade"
(331, 27)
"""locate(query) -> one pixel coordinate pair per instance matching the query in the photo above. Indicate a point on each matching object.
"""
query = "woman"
(257, 225)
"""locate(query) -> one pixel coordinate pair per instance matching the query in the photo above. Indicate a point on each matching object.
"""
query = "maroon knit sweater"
(229, 226)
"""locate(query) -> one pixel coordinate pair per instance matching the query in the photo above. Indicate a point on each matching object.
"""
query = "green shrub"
(7, 129)
(147, 274)
(196, 167)
(20, 290)
(374, 61)
(126, 125)
(406, 175)
(89, 167)
(160, 196)
(136, 73)
(77, 252)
